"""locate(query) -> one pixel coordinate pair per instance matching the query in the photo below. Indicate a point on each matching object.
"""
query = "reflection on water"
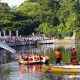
(71, 77)
(33, 72)
(24, 72)
(30, 68)
(62, 77)
(22, 68)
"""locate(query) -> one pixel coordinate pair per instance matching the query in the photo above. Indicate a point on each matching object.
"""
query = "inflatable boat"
(62, 69)
(44, 61)
(30, 62)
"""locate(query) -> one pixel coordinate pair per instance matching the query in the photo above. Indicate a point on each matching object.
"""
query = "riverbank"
(65, 41)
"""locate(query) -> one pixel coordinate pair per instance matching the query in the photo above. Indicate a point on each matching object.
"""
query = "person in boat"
(58, 55)
(46, 60)
(41, 57)
(30, 57)
(37, 58)
(74, 56)
(26, 57)
(20, 56)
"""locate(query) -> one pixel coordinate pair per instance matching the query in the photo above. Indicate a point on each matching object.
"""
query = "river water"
(14, 71)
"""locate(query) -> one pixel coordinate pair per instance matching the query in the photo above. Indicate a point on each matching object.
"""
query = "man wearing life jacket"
(58, 55)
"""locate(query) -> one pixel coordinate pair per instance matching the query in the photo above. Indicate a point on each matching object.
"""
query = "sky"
(13, 2)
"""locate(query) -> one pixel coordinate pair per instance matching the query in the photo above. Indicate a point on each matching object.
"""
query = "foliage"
(57, 18)
(47, 29)
(4, 8)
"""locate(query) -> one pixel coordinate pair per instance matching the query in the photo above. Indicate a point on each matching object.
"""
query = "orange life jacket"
(58, 54)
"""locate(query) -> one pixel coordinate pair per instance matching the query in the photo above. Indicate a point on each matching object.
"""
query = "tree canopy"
(58, 18)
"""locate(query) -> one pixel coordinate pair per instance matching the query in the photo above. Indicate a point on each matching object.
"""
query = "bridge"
(4, 46)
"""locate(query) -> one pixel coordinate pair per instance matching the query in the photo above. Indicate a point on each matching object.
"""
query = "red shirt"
(74, 53)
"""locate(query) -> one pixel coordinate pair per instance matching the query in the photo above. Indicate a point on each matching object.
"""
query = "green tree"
(47, 29)
(67, 16)
(5, 15)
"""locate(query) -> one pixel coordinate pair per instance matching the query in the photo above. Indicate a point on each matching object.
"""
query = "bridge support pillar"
(4, 33)
(17, 34)
(10, 34)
